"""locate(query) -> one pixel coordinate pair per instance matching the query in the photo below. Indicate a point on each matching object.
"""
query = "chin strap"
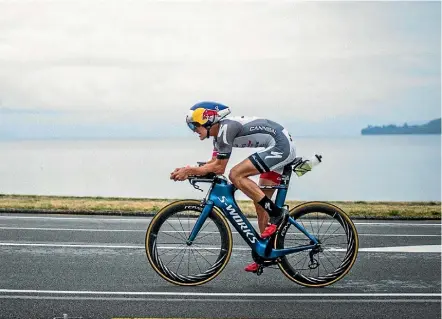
(208, 129)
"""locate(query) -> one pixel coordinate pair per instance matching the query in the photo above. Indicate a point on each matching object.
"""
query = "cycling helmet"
(206, 114)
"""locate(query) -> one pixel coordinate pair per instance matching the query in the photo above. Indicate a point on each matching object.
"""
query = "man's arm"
(215, 165)
(213, 159)
(214, 155)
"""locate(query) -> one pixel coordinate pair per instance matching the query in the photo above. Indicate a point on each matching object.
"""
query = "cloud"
(309, 60)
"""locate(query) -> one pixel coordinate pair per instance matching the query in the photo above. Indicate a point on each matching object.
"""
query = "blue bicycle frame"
(221, 195)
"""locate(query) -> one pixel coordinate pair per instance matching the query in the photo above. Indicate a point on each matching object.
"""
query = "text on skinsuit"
(262, 128)
(238, 220)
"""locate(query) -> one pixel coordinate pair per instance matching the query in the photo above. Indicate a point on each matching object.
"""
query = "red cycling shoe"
(275, 222)
(269, 230)
(253, 267)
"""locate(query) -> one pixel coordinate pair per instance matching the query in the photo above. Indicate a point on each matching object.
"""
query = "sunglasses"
(193, 125)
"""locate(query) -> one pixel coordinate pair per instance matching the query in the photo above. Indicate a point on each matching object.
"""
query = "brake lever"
(197, 187)
(191, 181)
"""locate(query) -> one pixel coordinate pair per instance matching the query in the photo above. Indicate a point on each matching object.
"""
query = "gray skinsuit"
(256, 132)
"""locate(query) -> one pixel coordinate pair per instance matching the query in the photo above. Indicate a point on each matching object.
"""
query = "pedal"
(260, 270)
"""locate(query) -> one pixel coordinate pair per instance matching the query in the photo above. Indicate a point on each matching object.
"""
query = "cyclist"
(208, 119)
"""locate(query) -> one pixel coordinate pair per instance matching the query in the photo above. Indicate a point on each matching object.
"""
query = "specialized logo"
(274, 155)
(263, 128)
(238, 220)
(223, 132)
(267, 206)
(284, 230)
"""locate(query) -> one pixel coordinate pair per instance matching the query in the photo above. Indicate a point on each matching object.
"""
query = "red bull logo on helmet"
(202, 116)
(209, 114)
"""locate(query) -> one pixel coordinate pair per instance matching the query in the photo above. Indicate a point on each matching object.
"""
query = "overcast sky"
(124, 68)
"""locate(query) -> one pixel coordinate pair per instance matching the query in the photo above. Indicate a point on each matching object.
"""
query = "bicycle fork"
(200, 222)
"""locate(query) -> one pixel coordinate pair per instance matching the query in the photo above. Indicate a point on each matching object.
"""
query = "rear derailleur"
(314, 263)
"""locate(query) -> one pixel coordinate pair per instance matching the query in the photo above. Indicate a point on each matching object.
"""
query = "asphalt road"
(95, 267)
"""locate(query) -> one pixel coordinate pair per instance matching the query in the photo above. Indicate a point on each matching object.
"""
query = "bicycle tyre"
(321, 209)
(191, 210)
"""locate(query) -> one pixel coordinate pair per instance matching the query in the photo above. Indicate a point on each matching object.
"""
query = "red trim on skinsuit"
(271, 176)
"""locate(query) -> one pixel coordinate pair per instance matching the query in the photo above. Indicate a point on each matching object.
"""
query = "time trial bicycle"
(189, 242)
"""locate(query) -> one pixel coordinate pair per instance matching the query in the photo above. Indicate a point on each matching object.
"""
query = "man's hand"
(180, 174)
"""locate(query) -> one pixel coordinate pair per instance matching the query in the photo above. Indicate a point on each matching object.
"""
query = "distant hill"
(432, 127)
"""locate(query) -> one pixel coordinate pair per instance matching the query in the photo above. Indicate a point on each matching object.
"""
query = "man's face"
(202, 132)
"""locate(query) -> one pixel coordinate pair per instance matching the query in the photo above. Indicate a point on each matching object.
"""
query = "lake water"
(396, 168)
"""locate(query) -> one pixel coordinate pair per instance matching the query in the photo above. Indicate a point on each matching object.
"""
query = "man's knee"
(241, 171)
(234, 175)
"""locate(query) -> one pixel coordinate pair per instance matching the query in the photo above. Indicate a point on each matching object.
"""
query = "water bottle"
(307, 165)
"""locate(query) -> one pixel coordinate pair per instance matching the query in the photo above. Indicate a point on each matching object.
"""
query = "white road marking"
(220, 299)
(438, 224)
(75, 229)
(110, 218)
(137, 219)
(173, 231)
(398, 235)
(406, 249)
(213, 294)
(72, 245)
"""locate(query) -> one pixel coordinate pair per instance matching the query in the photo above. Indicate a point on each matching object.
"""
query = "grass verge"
(147, 206)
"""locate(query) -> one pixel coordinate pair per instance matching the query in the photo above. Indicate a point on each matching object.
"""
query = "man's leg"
(239, 177)
(263, 217)
(266, 179)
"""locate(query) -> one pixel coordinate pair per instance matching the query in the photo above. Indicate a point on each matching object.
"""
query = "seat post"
(284, 185)
(286, 175)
